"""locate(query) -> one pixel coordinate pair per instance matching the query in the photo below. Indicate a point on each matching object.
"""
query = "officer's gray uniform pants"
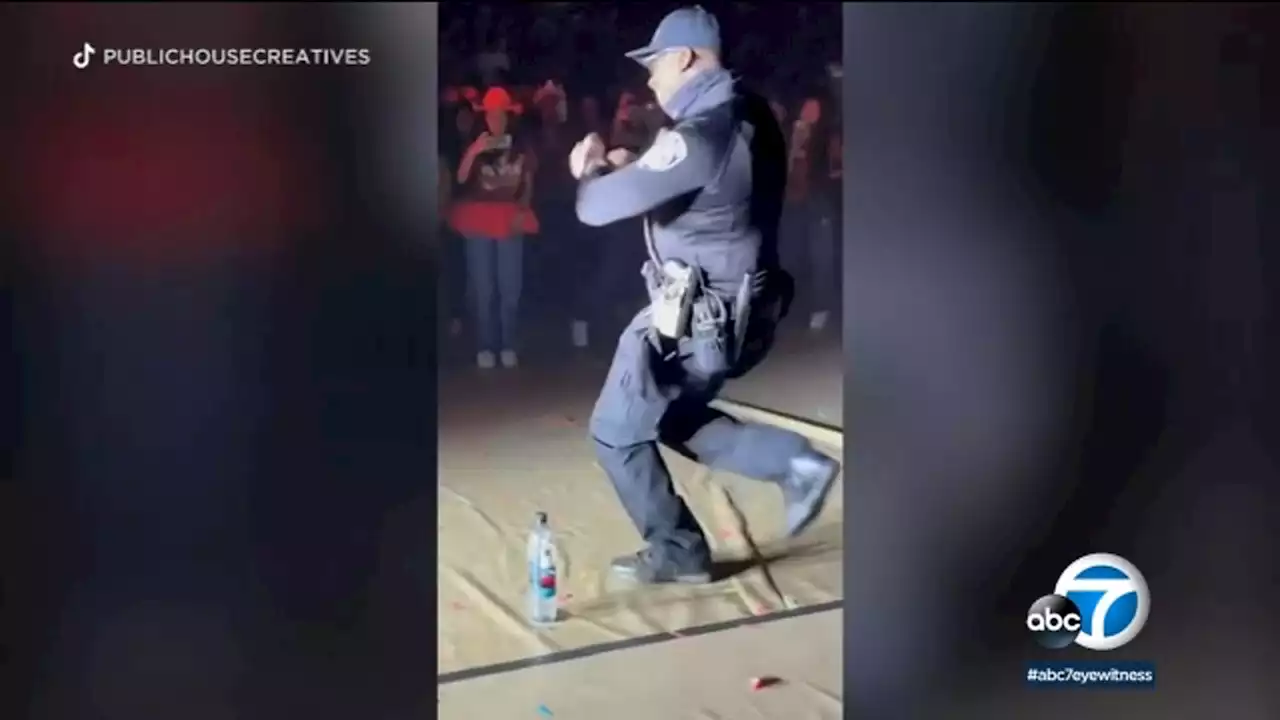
(646, 401)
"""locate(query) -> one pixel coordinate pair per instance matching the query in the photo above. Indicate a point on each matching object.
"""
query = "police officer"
(709, 191)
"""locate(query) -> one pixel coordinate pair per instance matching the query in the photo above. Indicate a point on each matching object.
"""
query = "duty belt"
(708, 306)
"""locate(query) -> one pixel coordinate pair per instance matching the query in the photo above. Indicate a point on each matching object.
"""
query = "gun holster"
(687, 319)
(672, 291)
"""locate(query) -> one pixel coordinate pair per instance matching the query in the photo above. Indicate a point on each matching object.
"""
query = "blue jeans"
(495, 273)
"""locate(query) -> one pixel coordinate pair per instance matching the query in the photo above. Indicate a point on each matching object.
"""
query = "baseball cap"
(686, 27)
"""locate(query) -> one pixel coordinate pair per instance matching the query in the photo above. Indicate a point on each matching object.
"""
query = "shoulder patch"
(668, 150)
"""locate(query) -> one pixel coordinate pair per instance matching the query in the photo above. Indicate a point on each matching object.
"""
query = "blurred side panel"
(956, 332)
(157, 211)
(399, 116)
(225, 345)
(1056, 318)
(404, 96)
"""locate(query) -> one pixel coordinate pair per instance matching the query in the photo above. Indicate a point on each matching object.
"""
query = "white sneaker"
(509, 359)
(818, 320)
(579, 333)
(485, 360)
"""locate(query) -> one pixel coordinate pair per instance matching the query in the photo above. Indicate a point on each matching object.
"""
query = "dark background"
(582, 43)
(222, 390)
(1061, 330)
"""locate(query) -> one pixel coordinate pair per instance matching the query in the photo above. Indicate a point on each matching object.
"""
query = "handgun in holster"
(673, 286)
(672, 300)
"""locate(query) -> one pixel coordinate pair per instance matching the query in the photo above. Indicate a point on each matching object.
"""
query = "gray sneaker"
(647, 568)
(806, 488)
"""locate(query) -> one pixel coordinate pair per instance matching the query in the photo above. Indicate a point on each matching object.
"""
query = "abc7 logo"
(1115, 603)
(1054, 621)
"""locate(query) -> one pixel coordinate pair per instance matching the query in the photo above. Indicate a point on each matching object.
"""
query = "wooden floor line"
(640, 641)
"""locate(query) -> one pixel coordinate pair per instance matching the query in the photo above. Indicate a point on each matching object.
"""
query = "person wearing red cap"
(492, 213)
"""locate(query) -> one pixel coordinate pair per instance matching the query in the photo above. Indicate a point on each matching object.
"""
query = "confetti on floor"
(545, 711)
(760, 683)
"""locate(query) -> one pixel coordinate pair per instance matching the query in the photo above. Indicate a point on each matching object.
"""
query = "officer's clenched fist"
(589, 151)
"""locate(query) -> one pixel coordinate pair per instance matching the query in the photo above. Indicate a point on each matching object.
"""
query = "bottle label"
(543, 579)
(547, 583)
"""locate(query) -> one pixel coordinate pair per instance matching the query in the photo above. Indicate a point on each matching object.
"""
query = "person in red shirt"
(492, 212)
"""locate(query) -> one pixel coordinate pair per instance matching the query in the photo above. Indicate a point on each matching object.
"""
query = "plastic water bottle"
(543, 580)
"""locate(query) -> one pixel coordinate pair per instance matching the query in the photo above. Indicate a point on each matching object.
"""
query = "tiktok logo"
(81, 59)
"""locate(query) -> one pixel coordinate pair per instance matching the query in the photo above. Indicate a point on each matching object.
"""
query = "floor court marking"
(812, 429)
(630, 643)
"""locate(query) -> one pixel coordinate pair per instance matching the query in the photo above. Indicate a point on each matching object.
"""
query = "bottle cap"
(541, 517)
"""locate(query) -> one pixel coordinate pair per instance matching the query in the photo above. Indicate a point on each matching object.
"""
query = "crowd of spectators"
(521, 83)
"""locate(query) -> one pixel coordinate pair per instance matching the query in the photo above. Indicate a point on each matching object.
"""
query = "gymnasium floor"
(513, 443)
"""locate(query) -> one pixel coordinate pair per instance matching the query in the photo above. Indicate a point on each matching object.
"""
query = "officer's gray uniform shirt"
(694, 183)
